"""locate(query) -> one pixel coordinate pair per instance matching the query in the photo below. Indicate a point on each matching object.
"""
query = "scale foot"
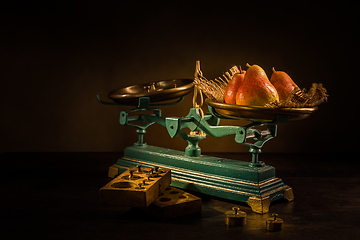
(115, 170)
(261, 204)
(288, 194)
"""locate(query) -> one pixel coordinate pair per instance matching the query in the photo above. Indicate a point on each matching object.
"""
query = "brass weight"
(274, 224)
(235, 217)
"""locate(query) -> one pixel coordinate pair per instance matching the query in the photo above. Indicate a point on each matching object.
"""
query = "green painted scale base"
(252, 182)
(225, 178)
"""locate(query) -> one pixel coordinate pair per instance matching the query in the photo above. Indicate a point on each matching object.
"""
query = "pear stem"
(240, 69)
(248, 65)
(273, 69)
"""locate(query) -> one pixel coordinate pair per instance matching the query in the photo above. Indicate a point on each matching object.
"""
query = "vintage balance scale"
(254, 182)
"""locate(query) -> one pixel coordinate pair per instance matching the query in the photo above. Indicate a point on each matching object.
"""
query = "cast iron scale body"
(254, 182)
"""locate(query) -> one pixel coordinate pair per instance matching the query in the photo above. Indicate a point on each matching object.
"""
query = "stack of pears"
(253, 88)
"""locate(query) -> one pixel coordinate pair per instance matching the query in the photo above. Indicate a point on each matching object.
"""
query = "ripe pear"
(283, 83)
(233, 87)
(256, 89)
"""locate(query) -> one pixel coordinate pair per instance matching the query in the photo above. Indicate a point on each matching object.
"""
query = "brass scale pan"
(164, 90)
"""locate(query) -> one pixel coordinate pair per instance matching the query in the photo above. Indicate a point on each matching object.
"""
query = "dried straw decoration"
(213, 89)
(300, 98)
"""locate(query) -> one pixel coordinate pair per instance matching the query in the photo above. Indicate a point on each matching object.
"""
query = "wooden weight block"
(136, 187)
(174, 203)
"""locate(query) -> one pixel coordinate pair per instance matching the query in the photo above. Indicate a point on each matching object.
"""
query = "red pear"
(283, 83)
(256, 89)
(233, 87)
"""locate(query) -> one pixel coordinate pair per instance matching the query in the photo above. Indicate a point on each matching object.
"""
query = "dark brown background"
(56, 57)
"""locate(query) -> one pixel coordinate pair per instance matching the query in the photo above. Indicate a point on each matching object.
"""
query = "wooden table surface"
(56, 196)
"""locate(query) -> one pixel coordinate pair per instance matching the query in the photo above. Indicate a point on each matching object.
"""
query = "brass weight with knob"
(274, 224)
(235, 217)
